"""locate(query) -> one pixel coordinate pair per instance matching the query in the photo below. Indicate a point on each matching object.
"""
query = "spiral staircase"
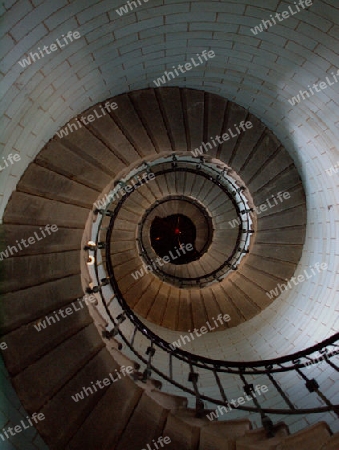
(154, 131)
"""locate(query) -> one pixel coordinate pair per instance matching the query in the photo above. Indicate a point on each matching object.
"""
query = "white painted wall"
(118, 54)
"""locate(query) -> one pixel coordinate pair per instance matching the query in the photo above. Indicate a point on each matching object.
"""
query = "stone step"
(189, 182)
(171, 315)
(144, 304)
(226, 305)
(24, 306)
(280, 201)
(212, 308)
(168, 401)
(122, 359)
(126, 266)
(147, 105)
(45, 377)
(291, 235)
(160, 292)
(86, 145)
(199, 314)
(57, 157)
(287, 179)
(123, 246)
(223, 435)
(128, 120)
(293, 217)
(137, 203)
(147, 422)
(106, 422)
(310, 438)
(259, 437)
(31, 270)
(182, 434)
(234, 115)
(270, 266)
(185, 320)
(278, 252)
(28, 345)
(128, 256)
(265, 149)
(123, 224)
(123, 235)
(145, 192)
(215, 108)
(270, 173)
(154, 188)
(194, 105)
(163, 186)
(171, 107)
(56, 187)
(191, 417)
(200, 186)
(171, 181)
(332, 443)
(57, 429)
(208, 190)
(259, 277)
(109, 132)
(249, 140)
(64, 239)
(251, 290)
(29, 209)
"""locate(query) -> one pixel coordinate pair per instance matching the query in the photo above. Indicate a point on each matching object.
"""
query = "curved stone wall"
(262, 72)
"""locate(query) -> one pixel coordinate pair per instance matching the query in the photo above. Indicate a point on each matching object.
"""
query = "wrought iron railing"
(126, 326)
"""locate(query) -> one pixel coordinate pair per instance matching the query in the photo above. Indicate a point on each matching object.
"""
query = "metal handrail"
(292, 362)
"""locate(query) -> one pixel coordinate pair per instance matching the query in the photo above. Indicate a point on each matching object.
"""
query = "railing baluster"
(193, 378)
(170, 366)
(281, 392)
(313, 386)
(133, 335)
(330, 363)
(221, 389)
(265, 420)
(327, 359)
(148, 371)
